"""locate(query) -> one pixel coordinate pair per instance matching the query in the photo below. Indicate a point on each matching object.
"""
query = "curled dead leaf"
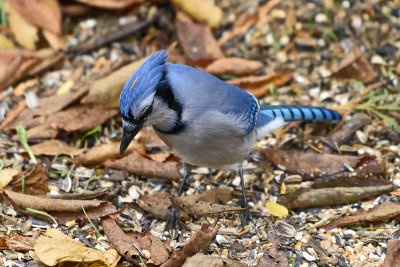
(382, 212)
(260, 85)
(126, 244)
(136, 163)
(234, 66)
(305, 198)
(192, 35)
(356, 66)
(62, 210)
(198, 242)
(35, 181)
(103, 152)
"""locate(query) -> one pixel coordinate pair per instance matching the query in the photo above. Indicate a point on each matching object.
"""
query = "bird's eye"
(148, 111)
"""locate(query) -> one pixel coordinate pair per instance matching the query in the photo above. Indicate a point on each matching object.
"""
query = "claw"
(173, 224)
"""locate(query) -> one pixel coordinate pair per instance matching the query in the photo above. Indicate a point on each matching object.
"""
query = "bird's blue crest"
(142, 83)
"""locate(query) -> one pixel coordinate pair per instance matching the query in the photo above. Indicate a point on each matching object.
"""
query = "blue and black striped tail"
(299, 112)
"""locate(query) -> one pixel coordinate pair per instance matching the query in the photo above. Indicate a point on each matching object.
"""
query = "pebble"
(321, 18)
(356, 22)
(220, 239)
(308, 257)
(134, 192)
(32, 100)
(236, 181)
(376, 59)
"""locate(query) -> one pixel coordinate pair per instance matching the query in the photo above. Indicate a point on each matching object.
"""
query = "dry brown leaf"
(123, 243)
(45, 14)
(312, 165)
(198, 242)
(260, 85)
(305, 198)
(200, 208)
(201, 260)
(6, 176)
(16, 64)
(355, 65)
(156, 205)
(112, 4)
(81, 117)
(197, 40)
(103, 152)
(5, 43)
(25, 33)
(234, 66)
(62, 210)
(382, 212)
(20, 243)
(136, 163)
(55, 147)
(35, 181)
(392, 254)
(48, 106)
(106, 90)
(41, 132)
(275, 257)
(55, 41)
(201, 10)
(54, 247)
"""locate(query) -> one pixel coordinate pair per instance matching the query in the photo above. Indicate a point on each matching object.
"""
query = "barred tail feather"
(299, 112)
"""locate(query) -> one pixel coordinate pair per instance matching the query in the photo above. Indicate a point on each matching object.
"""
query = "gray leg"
(244, 214)
(173, 222)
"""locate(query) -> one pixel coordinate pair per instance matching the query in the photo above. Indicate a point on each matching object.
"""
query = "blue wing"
(200, 92)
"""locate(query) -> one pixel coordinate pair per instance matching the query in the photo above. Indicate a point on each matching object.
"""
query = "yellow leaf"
(201, 11)
(54, 248)
(5, 43)
(65, 87)
(6, 175)
(106, 90)
(276, 209)
(25, 33)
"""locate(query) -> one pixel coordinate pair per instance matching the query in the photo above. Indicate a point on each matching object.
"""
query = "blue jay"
(206, 121)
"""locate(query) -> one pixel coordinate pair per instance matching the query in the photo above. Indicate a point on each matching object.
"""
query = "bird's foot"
(245, 216)
(173, 224)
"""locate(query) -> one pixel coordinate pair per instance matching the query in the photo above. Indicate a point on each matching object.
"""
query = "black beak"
(127, 137)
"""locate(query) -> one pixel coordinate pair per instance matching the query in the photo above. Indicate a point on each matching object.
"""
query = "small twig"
(112, 36)
(13, 114)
